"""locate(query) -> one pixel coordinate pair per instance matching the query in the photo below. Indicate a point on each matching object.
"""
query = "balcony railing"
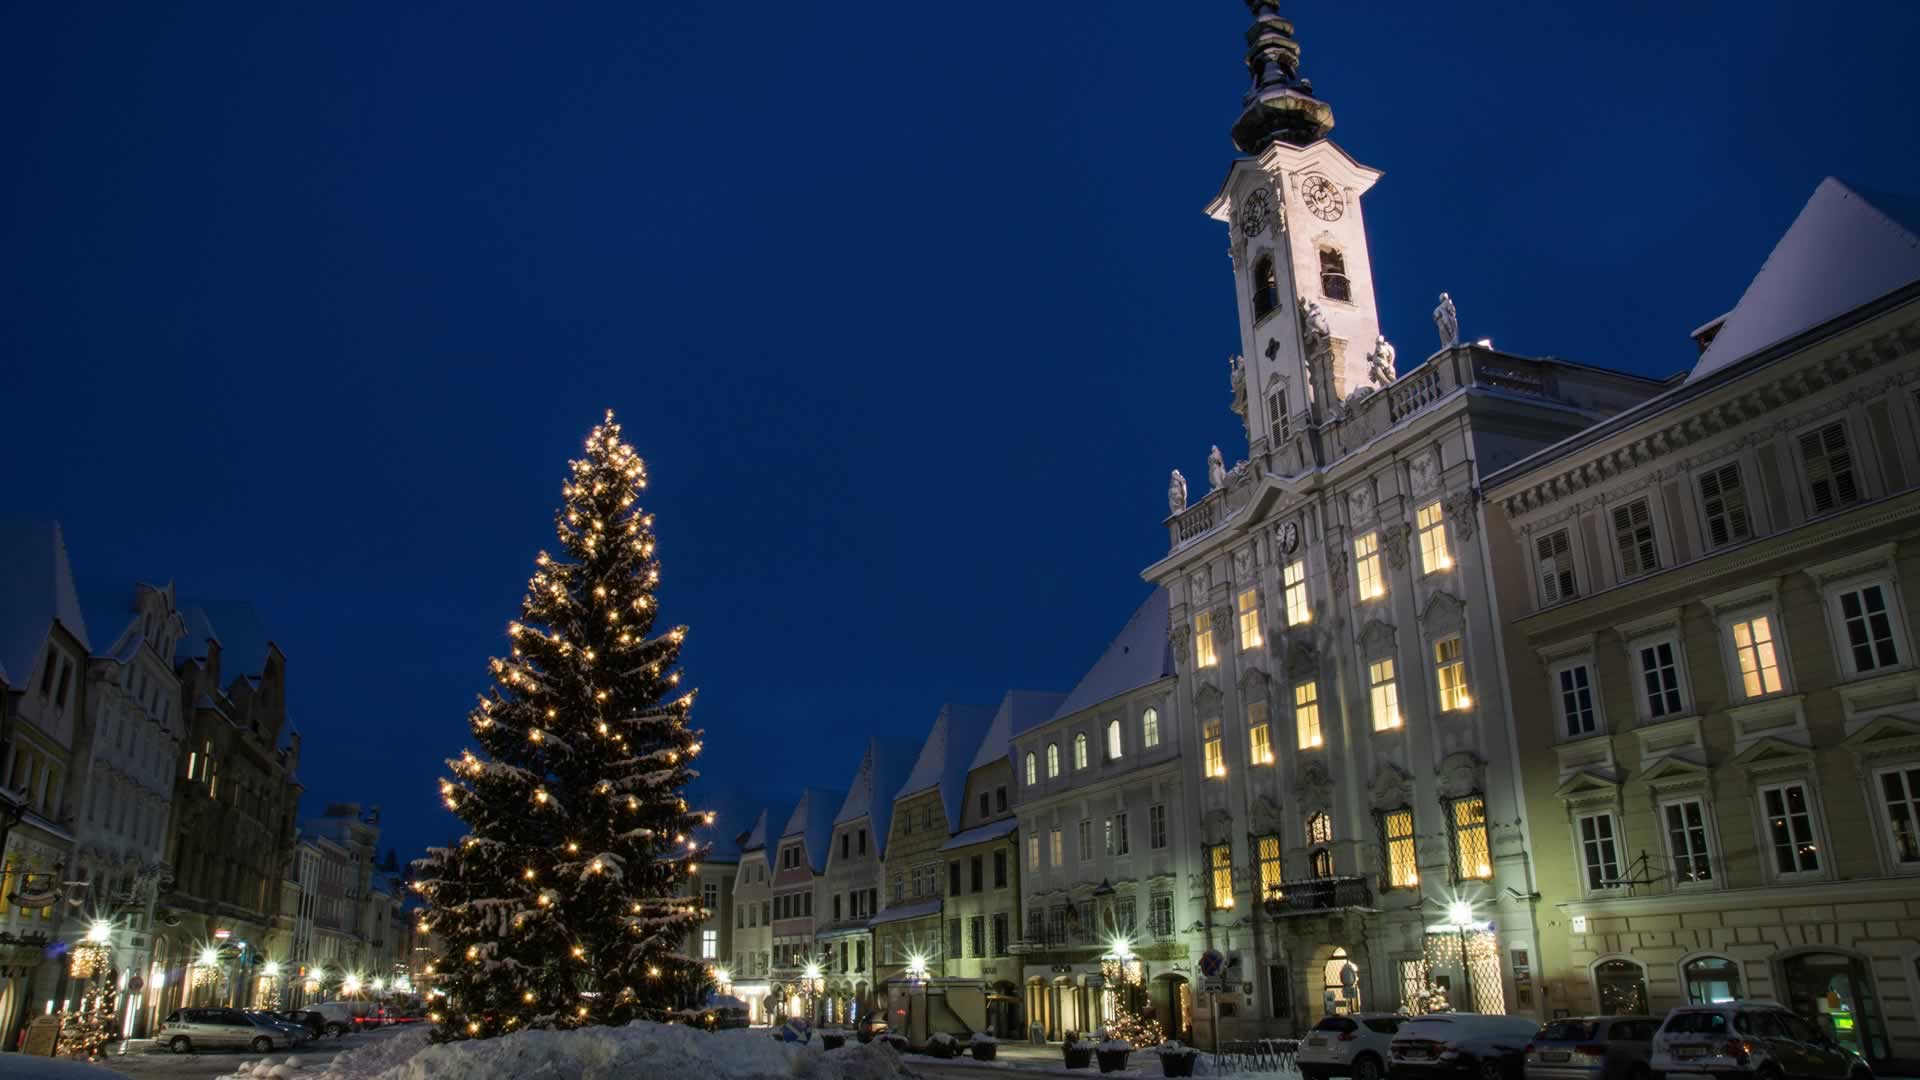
(1313, 895)
(1335, 286)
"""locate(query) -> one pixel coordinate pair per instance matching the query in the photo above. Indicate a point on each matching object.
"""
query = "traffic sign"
(1212, 963)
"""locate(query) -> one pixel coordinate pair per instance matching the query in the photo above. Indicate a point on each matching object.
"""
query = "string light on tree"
(577, 777)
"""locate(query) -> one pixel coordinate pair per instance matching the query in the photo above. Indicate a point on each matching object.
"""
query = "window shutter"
(1556, 568)
(1633, 531)
(1726, 506)
(1829, 464)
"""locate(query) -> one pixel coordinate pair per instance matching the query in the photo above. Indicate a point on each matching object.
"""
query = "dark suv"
(1739, 1039)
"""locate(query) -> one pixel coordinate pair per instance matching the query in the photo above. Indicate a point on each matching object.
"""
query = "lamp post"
(810, 982)
(1460, 918)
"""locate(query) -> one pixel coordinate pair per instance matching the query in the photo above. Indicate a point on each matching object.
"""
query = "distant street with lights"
(138, 1061)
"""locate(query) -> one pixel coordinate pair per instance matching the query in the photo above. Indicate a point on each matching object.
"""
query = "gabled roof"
(1847, 248)
(812, 822)
(236, 625)
(757, 836)
(36, 590)
(948, 755)
(1140, 655)
(1019, 711)
(884, 768)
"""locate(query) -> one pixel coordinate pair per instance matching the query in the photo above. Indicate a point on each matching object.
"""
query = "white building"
(1352, 779)
(1104, 825)
(849, 890)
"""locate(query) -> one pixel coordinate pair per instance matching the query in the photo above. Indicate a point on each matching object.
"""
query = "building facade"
(753, 921)
(850, 888)
(1359, 821)
(1710, 604)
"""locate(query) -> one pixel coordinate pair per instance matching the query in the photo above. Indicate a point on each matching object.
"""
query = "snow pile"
(639, 1049)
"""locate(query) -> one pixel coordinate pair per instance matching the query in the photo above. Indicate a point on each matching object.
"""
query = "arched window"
(1033, 770)
(1266, 287)
(1080, 750)
(1333, 276)
(1114, 749)
(1150, 728)
(1053, 760)
(1621, 986)
(1320, 829)
(1711, 979)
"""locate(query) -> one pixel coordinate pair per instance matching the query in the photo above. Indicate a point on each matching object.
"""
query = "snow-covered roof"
(757, 836)
(1847, 248)
(1140, 655)
(236, 625)
(884, 768)
(980, 834)
(909, 911)
(947, 756)
(812, 822)
(1019, 710)
(36, 590)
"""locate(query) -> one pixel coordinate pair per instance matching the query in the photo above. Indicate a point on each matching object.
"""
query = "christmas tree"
(566, 903)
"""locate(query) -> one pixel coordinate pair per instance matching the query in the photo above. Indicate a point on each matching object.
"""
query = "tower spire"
(1280, 107)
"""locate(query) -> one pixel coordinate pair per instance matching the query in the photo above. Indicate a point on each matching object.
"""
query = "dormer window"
(1333, 276)
(1266, 288)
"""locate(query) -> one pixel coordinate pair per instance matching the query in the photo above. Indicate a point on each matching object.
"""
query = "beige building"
(1351, 774)
(849, 891)
(1710, 602)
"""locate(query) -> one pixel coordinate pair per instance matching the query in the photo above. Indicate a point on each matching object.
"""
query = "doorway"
(1834, 992)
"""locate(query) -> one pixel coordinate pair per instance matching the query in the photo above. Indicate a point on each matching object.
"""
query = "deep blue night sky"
(910, 307)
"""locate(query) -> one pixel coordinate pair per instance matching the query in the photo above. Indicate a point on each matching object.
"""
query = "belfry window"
(1266, 287)
(1333, 276)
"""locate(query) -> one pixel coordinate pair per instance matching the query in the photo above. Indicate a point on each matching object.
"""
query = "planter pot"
(832, 1042)
(1112, 1060)
(985, 1051)
(942, 1050)
(1178, 1064)
(1078, 1059)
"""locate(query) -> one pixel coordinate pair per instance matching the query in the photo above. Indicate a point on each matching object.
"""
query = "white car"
(1759, 1039)
(1352, 1045)
(1468, 1046)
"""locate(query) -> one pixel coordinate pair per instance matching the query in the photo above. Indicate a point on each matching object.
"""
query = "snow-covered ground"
(638, 1049)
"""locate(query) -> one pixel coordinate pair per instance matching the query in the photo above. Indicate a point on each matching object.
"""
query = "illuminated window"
(1471, 857)
(1033, 852)
(1759, 666)
(1396, 836)
(1080, 751)
(1249, 602)
(1220, 876)
(1432, 522)
(1053, 760)
(1320, 829)
(1215, 749)
(1033, 770)
(1267, 855)
(1451, 670)
(1294, 577)
(1203, 653)
(1384, 695)
(1150, 728)
(1259, 741)
(1306, 714)
(1057, 847)
(1366, 563)
(1321, 863)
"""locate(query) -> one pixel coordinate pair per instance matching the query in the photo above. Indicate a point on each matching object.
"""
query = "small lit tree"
(568, 900)
(1125, 979)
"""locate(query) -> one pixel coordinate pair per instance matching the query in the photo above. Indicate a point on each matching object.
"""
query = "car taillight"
(1527, 1049)
(1736, 1048)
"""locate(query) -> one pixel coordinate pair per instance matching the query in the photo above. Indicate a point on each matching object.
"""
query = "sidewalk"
(1048, 1060)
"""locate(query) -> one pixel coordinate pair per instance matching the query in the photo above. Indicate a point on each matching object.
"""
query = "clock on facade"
(1253, 216)
(1323, 198)
(1289, 537)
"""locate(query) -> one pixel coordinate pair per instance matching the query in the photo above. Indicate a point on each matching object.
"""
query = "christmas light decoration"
(565, 905)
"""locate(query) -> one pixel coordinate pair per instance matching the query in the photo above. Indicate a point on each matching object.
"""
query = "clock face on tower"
(1323, 198)
(1289, 537)
(1253, 216)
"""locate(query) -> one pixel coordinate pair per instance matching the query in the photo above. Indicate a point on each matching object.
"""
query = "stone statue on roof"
(1380, 362)
(1176, 493)
(1447, 321)
(1216, 470)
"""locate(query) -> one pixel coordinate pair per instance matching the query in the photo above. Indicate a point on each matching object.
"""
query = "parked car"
(1353, 1045)
(1759, 1039)
(1461, 1045)
(297, 1032)
(1592, 1048)
(315, 1024)
(187, 1030)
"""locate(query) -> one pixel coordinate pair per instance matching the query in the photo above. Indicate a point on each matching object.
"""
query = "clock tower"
(1308, 322)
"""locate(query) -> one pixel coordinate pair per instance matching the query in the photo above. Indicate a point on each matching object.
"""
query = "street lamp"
(1460, 920)
(811, 975)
